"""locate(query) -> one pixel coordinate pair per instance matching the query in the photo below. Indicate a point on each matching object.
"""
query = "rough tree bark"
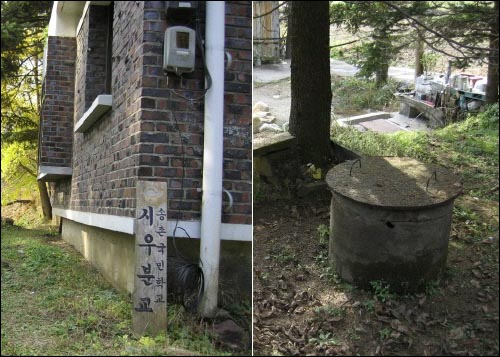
(310, 81)
(419, 52)
(42, 187)
(45, 200)
(382, 43)
(44, 194)
(382, 74)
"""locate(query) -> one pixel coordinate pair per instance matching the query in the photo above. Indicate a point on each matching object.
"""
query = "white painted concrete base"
(237, 232)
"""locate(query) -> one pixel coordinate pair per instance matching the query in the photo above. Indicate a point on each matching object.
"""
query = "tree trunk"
(288, 44)
(492, 82)
(45, 201)
(419, 52)
(42, 187)
(382, 74)
(310, 81)
(384, 50)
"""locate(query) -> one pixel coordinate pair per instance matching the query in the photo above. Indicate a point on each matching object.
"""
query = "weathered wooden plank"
(149, 312)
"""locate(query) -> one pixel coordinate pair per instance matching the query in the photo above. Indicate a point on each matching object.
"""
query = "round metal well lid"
(394, 182)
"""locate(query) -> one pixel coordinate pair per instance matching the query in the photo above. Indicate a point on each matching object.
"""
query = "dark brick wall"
(153, 134)
(81, 66)
(56, 125)
(105, 157)
(97, 50)
(61, 196)
(237, 112)
(162, 155)
(91, 58)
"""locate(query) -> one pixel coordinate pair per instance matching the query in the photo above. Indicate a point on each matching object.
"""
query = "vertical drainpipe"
(212, 156)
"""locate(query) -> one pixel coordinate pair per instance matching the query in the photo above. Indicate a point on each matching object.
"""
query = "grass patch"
(470, 148)
(352, 95)
(28, 215)
(53, 302)
(267, 191)
(324, 234)
(283, 255)
(381, 290)
(330, 311)
(403, 143)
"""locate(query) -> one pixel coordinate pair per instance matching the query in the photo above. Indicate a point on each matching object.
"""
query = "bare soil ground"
(302, 308)
(277, 96)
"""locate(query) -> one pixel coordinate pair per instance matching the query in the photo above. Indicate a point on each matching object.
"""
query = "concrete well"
(390, 221)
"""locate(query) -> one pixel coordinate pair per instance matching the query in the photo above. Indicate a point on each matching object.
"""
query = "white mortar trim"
(63, 20)
(84, 12)
(101, 105)
(86, 8)
(54, 170)
(44, 63)
(236, 232)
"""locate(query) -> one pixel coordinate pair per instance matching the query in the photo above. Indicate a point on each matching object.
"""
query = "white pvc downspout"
(212, 156)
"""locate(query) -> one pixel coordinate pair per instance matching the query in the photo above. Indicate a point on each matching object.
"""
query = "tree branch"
(343, 44)
(463, 57)
(27, 170)
(447, 39)
(267, 13)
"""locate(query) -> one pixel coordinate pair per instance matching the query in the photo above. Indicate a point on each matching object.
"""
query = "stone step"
(362, 118)
(281, 141)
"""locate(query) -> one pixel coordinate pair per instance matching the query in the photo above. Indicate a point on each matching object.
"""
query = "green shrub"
(355, 94)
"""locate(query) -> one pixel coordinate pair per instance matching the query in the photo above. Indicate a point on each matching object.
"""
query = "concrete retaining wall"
(112, 253)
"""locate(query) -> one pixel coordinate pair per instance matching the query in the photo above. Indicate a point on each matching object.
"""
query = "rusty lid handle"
(429, 180)
(357, 160)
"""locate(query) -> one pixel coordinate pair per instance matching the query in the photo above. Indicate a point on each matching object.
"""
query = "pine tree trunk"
(384, 50)
(492, 82)
(419, 52)
(42, 187)
(310, 81)
(382, 74)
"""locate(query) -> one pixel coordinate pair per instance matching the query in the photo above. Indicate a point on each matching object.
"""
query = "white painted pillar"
(212, 156)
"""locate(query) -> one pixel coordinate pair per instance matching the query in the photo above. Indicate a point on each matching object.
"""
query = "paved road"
(272, 72)
(277, 95)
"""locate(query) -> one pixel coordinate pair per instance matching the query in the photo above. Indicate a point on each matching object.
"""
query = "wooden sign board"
(149, 312)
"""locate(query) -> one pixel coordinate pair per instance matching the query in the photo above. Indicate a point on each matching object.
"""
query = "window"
(94, 65)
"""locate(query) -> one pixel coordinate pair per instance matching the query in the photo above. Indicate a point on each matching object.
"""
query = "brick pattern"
(105, 157)
(81, 68)
(56, 126)
(162, 155)
(61, 196)
(161, 149)
(140, 138)
(91, 58)
(97, 52)
(237, 112)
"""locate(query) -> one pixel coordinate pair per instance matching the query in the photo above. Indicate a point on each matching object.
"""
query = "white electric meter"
(179, 50)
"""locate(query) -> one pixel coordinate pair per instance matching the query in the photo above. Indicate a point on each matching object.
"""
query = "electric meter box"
(179, 50)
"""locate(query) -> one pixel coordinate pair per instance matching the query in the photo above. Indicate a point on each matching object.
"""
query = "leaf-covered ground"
(300, 305)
